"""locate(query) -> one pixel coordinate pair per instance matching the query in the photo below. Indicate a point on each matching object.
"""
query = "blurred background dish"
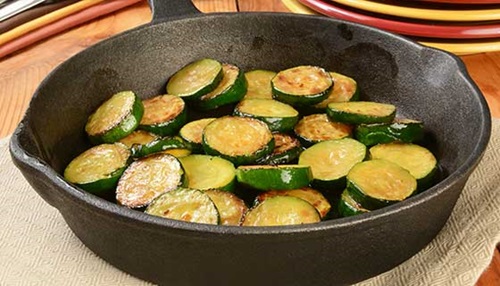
(460, 14)
(466, 30)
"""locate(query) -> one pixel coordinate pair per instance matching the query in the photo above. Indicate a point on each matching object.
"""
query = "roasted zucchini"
(315, 128)
(163, 115)
(274, 177)
(361, 112)
(209, 172)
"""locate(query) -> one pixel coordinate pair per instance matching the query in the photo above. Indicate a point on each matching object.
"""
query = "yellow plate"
(424, 14)
(457, 48)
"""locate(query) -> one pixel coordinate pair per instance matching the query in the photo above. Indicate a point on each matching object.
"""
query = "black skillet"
(422, 82)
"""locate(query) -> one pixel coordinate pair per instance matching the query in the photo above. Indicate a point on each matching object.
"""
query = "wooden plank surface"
(23, 71)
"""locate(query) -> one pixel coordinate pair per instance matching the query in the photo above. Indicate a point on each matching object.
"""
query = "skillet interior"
(423, 83)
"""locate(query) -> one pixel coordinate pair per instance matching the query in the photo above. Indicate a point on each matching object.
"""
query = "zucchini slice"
(331, 160)
(185, 204)
(309, 195)
(403, 130)
(231, 208)
(209, 172)
(280, 117)
(279, 177)
(315, 128)
(195, 79)
(147, 178)
(378, 183)
(419, 161)
(231, 89)
(240, 140)
(344, 89)
(98, 169)
(178, 152)
(192, 133)
(348, 206)
(302, 85)
(281, 210)
(116, 118)
(163, 115)
(286, 150)
(361, 112)
(259, 84)
(158, 145)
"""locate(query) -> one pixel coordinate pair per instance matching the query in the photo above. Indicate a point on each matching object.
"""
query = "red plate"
(427, 29)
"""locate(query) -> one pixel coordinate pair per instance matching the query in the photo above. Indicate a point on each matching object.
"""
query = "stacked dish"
(458, 26)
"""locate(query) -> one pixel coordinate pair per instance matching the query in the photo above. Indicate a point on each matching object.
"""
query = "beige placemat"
(37, 248)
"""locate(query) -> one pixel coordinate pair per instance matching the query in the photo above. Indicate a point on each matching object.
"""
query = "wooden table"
(22, 72)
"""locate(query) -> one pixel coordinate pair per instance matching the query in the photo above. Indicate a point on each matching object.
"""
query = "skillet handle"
(165, 9)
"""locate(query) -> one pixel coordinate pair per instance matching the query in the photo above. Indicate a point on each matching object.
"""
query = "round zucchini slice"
(231, 89)
(315, 128)
(419, 161)
(377, 183)
(158, 145)
(206, 172)
(259, 84)
(137, 138)
(98, 169)
(147, 178)
(279, 177)
(309, 195)
(185, 204)
(286, 150)
(240, 140)
(280, 117)
(348, 206)
(281, 210)
(231, 208)
(192, 133)
(361, 112)
(196, 79)
(178, 152)
(116, 118)
(344, 89)
(163, 115)
(331, 160)
(302, 85)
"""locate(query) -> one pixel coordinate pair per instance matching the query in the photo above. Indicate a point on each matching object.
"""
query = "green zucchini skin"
(281, 177)
(275, 122)
(159, 145)
(281, 210)
(192, 133)
(377, 176)
(126, 126)
(214, 129)
(359, 115)
(407, 131)
(179, 77)
(347, 206)
(185, 204)
(173, 122)
(91, 160)
(286, 150)
(300, 99)
(225, 93)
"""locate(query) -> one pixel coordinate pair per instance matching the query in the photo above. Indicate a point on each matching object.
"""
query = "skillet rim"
(138, 219)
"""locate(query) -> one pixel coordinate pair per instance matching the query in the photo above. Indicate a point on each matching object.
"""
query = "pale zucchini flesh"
(185, 204)
(278, 116)
(359, 112)
(196, 79)
(316, 128)
(259, 84)
(138, 137)
(231, 208)
(206, 172)
(344, 89)
(192, 133)
(147, 178)
(163, 115)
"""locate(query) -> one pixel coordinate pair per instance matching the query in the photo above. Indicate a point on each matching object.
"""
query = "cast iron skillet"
(424, 83)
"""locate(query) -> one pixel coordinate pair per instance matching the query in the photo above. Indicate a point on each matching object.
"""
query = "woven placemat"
(37, 248)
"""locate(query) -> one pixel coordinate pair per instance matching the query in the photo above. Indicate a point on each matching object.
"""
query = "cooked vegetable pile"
(294, 147)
